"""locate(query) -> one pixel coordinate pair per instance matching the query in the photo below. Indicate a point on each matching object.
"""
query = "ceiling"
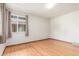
(40, 10)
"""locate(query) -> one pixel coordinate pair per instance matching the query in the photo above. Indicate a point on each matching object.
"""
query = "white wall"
(38, 29)
(66, 27)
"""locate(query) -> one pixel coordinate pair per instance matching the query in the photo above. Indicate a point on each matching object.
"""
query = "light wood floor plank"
(43, 48)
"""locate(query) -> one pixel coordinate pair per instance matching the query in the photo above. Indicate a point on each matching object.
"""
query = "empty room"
(39, 29)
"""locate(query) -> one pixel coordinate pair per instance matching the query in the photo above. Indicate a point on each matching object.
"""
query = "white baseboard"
(61, 39)
(11, 42)
(75, 43)
(66, 40)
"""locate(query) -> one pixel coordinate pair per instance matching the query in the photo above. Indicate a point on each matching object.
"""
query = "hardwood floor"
(43, 48)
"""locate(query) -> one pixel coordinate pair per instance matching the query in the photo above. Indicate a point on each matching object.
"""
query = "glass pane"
(12, 16)
(21, 27)
(23, 18)
(14, 28)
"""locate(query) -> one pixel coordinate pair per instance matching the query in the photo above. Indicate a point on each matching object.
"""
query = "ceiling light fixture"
(50, 5)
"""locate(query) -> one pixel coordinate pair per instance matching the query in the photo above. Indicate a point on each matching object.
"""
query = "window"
(23, 18)
(21, 27)
(14, 28)
(18, 26)
(12, 16)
